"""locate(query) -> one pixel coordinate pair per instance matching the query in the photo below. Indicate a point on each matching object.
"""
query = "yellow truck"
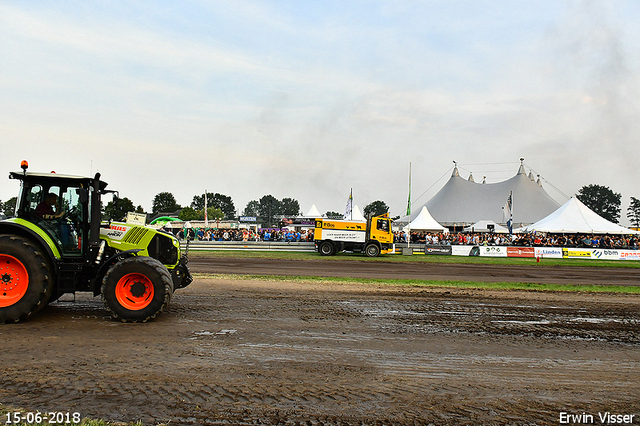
(371, 237)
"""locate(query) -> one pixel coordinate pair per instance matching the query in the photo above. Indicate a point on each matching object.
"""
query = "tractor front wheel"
(25, 279)
(137, 289)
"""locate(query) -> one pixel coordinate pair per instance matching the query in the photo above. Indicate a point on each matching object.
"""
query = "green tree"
(118, 212)
(375, 208)
(290, 207)
(164, 202)
(9, 207)
(189, 213)
(633, 212)
(252, 208)
(214, 213)
(269, 207)
(220, 201)
(333, 214)
(601, 200)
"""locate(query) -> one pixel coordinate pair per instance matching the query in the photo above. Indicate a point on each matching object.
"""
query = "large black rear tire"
(137, 289)
(25, 279)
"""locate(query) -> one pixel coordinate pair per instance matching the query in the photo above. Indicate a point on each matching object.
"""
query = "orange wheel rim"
(14, 280)
(134, 291)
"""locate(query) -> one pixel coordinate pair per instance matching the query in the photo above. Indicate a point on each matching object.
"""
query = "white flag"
(348, 211)
(508, 212)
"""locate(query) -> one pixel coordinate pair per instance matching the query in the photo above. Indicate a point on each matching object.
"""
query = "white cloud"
(309, 100)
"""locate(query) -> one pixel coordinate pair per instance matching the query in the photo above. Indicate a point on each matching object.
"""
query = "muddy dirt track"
(275, 352)
(417, 270)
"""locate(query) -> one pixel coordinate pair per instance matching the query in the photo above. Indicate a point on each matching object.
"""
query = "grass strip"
(434, 283)
(417, 258)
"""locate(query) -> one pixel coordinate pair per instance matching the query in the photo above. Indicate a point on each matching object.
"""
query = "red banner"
(521, 252)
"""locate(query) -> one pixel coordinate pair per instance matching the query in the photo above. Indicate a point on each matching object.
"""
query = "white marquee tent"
(483, 226)
(313, 212)
(424, 222)
(574, 217)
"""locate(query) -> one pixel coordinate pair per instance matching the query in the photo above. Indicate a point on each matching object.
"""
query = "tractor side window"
(33, 198)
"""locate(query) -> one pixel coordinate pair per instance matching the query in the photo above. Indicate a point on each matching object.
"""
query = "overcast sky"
(310, 99)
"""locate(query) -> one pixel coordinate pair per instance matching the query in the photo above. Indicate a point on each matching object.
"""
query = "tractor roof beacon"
(57, 243)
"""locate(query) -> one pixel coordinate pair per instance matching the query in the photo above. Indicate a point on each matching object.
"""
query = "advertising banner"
(461, 250)
(548, 252)
(520, 252)
(443, 250)
(615, 254)
(339, 235)
(576, 253)
(493, 251)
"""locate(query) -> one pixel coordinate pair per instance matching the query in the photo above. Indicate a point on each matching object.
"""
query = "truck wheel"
(326, 248)
(25, 279)
(136, 289)
(372, 250)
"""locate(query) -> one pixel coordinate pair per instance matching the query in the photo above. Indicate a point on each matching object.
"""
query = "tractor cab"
(59, 205)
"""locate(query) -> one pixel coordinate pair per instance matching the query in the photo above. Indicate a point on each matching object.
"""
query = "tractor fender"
(96, 282)
(34, 234)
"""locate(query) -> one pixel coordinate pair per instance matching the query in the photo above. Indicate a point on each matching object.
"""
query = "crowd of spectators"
(263, 234)
(529, 240)
(429, 238)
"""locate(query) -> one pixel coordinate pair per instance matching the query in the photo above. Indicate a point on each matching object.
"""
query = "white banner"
(493, 251)
(338, 235)
(461, 250)
(548, 252)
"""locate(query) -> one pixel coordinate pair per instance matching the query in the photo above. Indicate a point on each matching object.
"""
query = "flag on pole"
(409, 201)
(206, 216)
(508, 211)
(348, 211)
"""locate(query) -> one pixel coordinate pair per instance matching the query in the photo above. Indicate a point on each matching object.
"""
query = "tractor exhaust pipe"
(94, 230)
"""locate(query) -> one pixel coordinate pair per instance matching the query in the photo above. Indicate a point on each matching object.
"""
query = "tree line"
(601, 199)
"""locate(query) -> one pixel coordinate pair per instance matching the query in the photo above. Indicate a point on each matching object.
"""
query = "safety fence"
(446, 250)
(250, 245)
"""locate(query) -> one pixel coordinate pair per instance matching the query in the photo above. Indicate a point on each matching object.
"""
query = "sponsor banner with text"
(443, 250)
(548, 252)
(493, 251)
(520, 252)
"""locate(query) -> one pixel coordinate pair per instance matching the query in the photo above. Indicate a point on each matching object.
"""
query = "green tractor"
(58, 243)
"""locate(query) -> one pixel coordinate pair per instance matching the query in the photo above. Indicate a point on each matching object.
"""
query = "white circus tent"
(574, 217)
(464, 201)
